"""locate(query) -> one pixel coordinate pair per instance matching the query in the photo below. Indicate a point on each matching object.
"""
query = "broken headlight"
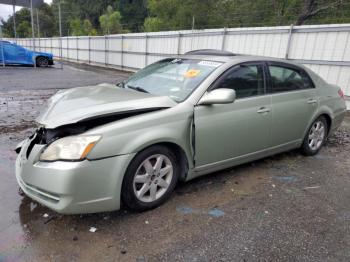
(70, 148)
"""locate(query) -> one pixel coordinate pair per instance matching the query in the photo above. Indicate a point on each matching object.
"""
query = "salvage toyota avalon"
(182, 117)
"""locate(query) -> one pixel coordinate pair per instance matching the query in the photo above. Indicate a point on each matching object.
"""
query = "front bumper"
(87, 186)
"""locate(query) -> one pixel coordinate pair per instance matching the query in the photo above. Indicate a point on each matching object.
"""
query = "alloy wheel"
(153, 178)
(316, 135)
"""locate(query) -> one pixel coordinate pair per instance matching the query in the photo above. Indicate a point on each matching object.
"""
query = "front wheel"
(150, 178)
(315, 137)
(42, 61)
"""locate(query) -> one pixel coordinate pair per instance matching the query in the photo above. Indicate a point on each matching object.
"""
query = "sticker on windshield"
(192, 73)
(209, 63)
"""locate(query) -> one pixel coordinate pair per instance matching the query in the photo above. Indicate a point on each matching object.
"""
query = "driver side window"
(246, 80)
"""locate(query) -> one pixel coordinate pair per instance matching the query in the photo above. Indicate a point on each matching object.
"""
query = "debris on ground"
(339, 137)
(311, 187)
(93, 229)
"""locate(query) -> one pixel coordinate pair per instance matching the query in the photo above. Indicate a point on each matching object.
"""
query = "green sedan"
(97, 147)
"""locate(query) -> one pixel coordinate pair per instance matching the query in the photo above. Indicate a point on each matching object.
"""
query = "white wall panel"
(329, 44)
(114, 58)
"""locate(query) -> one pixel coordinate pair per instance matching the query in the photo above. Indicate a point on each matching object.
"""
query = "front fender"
(134, 134)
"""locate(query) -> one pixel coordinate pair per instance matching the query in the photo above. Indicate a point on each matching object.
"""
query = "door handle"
(312, 101)
(263, 110)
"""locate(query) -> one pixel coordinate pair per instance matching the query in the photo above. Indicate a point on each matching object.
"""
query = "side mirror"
(218, 96)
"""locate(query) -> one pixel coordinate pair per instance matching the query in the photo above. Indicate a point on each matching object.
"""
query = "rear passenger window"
(246, 80)
(288, 79)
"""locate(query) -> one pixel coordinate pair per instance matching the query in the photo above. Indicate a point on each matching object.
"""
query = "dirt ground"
(283, 208)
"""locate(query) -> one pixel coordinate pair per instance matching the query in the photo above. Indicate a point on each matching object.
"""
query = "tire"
(315, 137)
(42, 61)
(150, 178)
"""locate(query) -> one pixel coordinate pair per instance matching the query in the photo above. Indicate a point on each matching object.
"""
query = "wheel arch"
(41, 56)
(325, 112)
(179, 152)
(329, 121)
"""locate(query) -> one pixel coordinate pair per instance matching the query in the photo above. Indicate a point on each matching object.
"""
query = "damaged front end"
(46, 136)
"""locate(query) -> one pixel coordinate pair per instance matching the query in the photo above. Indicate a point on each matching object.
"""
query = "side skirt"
(212, 167)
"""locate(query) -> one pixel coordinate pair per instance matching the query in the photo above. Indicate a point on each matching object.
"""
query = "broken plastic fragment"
(92, 229)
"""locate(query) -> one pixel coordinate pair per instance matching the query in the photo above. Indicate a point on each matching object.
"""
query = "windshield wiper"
(121, 84)
(137, 88)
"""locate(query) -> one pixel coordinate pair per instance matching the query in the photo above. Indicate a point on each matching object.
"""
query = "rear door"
(293, 100)
(227, 131)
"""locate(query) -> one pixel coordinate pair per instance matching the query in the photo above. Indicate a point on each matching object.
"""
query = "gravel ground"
(283, 208)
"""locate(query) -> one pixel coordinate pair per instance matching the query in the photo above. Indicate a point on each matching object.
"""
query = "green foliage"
(81, 28)
(24, 29)
(91, 17)
(133, 14)
(110, 22)
(174, 15)
(153, 24)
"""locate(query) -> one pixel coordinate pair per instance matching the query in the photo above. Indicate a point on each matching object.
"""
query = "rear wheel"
(315, 137)
(150, 178)
(42, 61)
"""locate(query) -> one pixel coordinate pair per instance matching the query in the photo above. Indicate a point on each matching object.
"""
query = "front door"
(227, 131)
(15, 54)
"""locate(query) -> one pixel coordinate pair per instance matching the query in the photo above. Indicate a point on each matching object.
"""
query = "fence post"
(2, 49)
(77, 41)
(289, 41)
(223, 39)
(67, 52)
(106, 50)
(122, 53)
(89, 47)
(146, 50)
(179, 44)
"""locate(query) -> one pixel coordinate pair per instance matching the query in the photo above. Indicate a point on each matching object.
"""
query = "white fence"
(323, 48)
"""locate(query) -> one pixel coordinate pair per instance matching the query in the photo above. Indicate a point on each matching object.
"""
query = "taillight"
(341, 93)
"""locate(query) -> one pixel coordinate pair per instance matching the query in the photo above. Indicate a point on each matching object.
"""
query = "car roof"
(219, 56)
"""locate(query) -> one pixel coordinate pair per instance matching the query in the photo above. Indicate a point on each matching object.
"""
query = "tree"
(110, 22)
(88, 28)
(173, 15)
(80, 28)
(133, 14)
(23, 24)
(313, 7)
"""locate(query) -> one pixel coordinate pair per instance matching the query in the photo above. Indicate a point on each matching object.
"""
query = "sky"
(6, 10)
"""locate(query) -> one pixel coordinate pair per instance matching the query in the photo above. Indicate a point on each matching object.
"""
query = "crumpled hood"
(81, 103)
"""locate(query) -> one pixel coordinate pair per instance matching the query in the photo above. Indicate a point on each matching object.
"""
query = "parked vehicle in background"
(177, 119)
(14, 54)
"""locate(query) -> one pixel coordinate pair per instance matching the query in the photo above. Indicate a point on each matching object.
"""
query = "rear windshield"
(176, 78)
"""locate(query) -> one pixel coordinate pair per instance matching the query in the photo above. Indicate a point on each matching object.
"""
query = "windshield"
(176, 78)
